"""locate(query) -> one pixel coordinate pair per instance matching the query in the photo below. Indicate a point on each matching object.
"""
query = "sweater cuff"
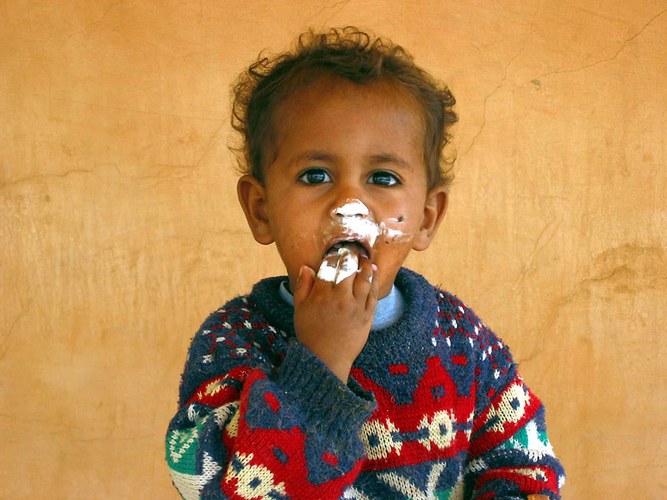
(330, 406)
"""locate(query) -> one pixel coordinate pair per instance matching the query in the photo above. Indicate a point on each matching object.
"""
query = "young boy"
(351, 377)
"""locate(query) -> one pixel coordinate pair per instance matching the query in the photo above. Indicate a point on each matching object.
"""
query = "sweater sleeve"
(510, 453)
(261, 416)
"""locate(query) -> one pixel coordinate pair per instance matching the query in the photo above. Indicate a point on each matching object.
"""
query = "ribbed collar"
(388, 310)
(413, 329)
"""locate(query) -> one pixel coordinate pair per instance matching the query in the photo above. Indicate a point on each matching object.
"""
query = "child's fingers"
(363, 279)
(372, 299)
(304, 284)
(366, 286)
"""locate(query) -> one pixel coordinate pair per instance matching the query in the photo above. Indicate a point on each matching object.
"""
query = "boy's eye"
(315, 176)
(383, 178)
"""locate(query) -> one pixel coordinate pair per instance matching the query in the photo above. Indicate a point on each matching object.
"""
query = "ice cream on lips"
(354, 232)
(338, 264)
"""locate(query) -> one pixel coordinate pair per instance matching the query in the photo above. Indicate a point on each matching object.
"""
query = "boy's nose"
(351, 207)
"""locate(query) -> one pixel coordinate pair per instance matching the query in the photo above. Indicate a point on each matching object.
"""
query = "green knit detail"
(526, 438)
(182, 448)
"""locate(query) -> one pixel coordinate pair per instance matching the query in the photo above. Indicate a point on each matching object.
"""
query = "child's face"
(338, 142)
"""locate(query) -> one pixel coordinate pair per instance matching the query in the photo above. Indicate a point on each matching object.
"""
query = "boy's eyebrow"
(314, 156)
(376, 159)
(392, 158)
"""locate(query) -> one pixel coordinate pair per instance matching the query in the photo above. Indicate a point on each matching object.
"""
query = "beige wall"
(120, 229)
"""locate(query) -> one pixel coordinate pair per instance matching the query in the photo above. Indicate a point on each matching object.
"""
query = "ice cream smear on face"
(353, 233)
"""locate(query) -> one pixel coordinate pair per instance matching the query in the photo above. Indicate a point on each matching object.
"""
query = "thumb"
(304, 283)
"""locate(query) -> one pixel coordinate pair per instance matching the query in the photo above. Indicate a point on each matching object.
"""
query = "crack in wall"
(523, 44)
(337, 7)
(624, 46)
(490, 95)
(541, 242)
(34, 177)
(95, 24)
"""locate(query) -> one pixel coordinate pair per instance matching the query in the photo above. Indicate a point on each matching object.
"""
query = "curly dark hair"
(347, 53)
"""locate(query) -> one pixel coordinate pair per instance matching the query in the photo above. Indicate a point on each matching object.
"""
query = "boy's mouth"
(341, 260)
(353, 246)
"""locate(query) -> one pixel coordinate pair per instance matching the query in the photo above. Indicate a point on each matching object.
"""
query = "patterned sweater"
(434, 408)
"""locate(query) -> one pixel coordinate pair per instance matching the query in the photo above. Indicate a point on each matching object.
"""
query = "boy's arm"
(253, 425)
(510, 451)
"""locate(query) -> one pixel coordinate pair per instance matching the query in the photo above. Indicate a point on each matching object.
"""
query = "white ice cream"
(353, 208)
(337, 266)
(393, 234)
(355, 220)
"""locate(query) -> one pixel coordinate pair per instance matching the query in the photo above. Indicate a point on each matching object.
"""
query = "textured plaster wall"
(120, 230)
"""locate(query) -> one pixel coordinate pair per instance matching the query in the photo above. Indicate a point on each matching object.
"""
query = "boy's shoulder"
(261, 308)
(458, 324)
(453, 314)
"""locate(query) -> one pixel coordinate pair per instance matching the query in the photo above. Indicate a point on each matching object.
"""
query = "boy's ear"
(434, 211)
(252, 196)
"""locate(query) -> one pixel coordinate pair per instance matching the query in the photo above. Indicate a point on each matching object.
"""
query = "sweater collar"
(419, 296)
(388, 310)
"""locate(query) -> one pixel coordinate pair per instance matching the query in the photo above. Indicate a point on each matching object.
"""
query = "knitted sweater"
(434, 408)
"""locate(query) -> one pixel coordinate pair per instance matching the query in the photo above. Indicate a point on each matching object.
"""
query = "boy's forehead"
(392, 92)
(329, 94)
(321, 113)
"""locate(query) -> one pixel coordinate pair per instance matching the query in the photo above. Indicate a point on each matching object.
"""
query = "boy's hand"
(334, 321)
